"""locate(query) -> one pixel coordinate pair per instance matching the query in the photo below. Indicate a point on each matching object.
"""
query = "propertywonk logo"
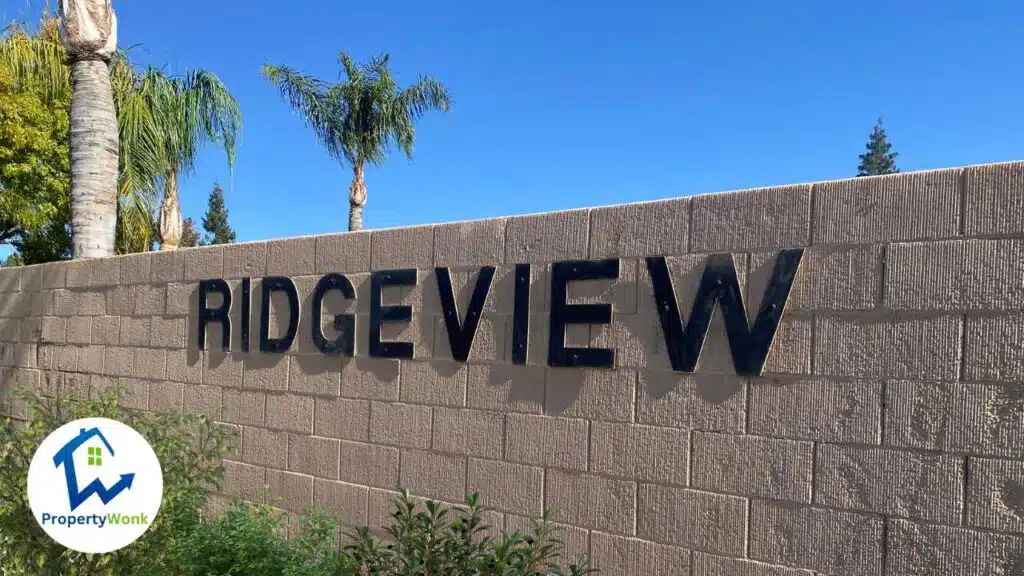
(95, 485)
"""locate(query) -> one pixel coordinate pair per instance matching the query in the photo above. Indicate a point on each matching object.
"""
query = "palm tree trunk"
(93, 144)
(356, 198)
(170, 214)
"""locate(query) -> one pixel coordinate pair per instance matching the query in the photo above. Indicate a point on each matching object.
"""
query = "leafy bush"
(248, 539)
(190, 449)
(428, 540)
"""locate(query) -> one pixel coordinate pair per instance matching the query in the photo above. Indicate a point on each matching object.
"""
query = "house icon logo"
(95, 485)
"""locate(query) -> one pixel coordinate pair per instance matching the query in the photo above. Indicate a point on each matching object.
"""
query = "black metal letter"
(269, 286)
(460, 335)
(246, 285)
(521, 314)
(381, 314)
(345, 324)
(220, 314)
(718, 285)
(563, 314)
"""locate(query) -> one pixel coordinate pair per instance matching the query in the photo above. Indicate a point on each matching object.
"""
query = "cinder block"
(590, 393)
(244, 481)
(290, 412)
(117, 361)
(78, 275)
(752, 219)
(182, 367)
(829, 278)
(818, 539)
(993, 201)
(150, 364)
(289, 491)
(370, 379)
(395, 248)
(167, 332)
(79, 330)
(369, 464)
(342, 418)
(182, 299)
(245, 407)
(955, 275)
(120, 300)
(637, 452)
(508, 487)
(268, 372)
(469, 432)
(405, 425)
(708, 565)
(994, 348)
(821, 409)
(167, 266)
(106, 330)
(135, 331)
(506, 387)
(478, 242)
(700, 521)
(105, 272)
(435, 476)
(204, 263)
(888, 346)
(248, 259)
(221, 369)
(380, 505)
(207, 400)
(344, 253)
(314, 375)
(10, 279)
(437, 382)
(714, 402)
(52, 330)
(314, 456)
(346, 503)
(547, 237)
(43, 303)
(891, 482)
(264, 447)
(166, 397)
(621, 555)
(547, 441)
(753, 466)
(981, 419)
(920, 549)
(888, 208)
(135, 268)
(590, 501)
(995, 494)
(292, 256)
(659, 228)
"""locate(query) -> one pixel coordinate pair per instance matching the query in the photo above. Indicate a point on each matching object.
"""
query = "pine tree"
(878, 158)
(189, 236)
(215, 222)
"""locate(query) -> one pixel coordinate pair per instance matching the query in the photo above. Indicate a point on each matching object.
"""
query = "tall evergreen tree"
(879, 157)
(215, 222)
(189, 235)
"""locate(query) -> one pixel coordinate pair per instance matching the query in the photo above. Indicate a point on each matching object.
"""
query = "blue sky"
(571, 104)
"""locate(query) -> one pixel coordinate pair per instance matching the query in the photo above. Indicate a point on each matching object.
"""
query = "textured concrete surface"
(885, 436)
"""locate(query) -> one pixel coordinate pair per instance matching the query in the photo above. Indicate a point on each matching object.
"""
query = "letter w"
(719, 285)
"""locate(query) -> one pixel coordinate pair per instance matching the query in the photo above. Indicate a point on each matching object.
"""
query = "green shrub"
(428, 540)
(190, 449)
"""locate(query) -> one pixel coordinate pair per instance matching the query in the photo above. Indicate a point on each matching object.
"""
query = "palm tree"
(361, 118)
(89, 33)
(40, 62)
(190, 111)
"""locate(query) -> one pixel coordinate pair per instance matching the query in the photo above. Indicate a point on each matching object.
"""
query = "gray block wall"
(883, 437)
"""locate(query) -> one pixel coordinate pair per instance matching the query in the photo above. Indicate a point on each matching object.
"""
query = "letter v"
(719, 285)
(461, 334)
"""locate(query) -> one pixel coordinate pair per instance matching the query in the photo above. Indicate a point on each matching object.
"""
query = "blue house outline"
(65, 457)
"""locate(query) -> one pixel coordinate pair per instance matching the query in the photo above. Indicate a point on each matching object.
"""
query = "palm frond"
(320, 105)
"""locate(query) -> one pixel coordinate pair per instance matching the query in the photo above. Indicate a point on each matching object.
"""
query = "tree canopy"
(215, 222)
(879, 158)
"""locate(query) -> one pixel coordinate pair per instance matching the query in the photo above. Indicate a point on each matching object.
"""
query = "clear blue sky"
(571, 104)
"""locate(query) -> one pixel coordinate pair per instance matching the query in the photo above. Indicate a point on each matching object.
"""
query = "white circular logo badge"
(95, 485)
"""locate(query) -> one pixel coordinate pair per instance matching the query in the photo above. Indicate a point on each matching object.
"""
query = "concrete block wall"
(884, 436)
